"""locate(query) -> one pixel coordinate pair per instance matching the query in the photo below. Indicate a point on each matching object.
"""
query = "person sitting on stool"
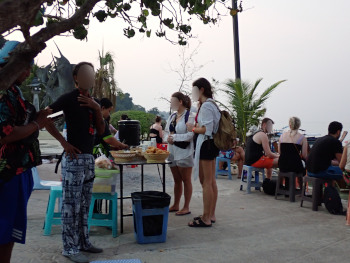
(325, 155)
(258, 153)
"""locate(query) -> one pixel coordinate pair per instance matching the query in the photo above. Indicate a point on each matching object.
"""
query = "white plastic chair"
(42, 184)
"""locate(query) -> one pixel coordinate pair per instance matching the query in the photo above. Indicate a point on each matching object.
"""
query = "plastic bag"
(103, 162)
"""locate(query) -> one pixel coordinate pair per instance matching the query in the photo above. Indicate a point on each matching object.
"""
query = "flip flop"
(174, 210)
(199, 217)
(199, 224)
(177, 213)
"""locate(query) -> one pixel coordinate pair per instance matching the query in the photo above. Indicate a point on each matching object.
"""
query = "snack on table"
(154, 150)
(155, 155)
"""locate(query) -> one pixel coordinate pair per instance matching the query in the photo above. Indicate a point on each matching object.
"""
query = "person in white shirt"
(180, 143)
(207, 120)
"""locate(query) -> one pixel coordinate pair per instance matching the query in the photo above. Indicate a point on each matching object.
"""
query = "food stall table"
(121, 195)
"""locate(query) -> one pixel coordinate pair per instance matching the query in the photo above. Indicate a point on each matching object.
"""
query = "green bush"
(145, 119)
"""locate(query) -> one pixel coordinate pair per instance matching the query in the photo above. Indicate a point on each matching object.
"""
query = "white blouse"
(181, 135)
(208, 116)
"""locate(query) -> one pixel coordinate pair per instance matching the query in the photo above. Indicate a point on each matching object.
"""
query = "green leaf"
(86, 22)
(51, 21)
(80, 32)
(101, 15)
(38, 20)
(168, 22)
(185, 28)
(129, 32)
(145, 12)
(126, 7)
(155, 12)
(113, 3)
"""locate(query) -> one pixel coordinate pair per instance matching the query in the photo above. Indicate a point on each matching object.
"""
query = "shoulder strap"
(300, 139)
(187, 115)
(212, 101)
(300, 155)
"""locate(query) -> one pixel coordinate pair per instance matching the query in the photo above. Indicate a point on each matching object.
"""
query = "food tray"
(156, 158)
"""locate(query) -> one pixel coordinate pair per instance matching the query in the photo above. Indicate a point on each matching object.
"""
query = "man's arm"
(115, 143)
(92, 104)
(20, 132)
(265, 144)
(337, 160)
(68, 148)
(343, 158)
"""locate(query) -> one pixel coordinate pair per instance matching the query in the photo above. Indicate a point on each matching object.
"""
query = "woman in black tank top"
(155, 133)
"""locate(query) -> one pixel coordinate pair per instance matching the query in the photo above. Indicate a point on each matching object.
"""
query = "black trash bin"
(150, 213)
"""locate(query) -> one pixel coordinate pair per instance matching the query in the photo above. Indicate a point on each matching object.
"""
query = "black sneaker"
(93, 249)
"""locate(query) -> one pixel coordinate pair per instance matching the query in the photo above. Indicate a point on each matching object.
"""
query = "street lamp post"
(236, 41)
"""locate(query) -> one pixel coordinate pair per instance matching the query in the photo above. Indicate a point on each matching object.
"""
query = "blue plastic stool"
(247, 173)
(110, 219)
(223, 172)
(53, 218)
(139, 213)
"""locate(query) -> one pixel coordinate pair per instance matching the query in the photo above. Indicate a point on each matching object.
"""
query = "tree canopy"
(55, 17)
(245, 105)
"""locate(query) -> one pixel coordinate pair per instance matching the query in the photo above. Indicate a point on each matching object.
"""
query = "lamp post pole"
(236, 41)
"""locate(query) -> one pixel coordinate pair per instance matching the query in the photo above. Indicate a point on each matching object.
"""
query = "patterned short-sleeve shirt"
(20, 155)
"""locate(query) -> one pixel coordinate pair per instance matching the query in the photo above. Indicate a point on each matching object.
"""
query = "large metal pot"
(129, 132)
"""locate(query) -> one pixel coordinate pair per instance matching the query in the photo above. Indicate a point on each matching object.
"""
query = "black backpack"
(269, 186)
(332, 200)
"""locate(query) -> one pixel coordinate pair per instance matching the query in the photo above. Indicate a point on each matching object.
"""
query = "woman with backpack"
(207, 124)
(180, 143)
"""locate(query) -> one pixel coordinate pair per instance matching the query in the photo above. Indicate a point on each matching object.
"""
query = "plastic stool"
(317, 191)
(223, 172)
(247, 173)
(110, 219)
(52, 218)
(291, 189)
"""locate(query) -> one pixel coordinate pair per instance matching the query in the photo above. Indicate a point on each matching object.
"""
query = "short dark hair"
(106, 103)
(205, 84)
(124, 117)
(158, 119)
(186, 101)
(265, 120)
(334, 126)
(78, 66)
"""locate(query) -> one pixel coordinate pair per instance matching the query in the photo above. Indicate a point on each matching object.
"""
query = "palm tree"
(105, 83)
(246, 106)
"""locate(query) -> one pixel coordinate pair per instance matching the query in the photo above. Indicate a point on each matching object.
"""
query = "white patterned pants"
(77, 181)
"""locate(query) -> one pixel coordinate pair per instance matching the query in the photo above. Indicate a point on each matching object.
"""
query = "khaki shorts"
(188, 162)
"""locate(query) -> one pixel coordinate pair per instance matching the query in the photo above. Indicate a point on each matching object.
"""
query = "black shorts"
(209, 151)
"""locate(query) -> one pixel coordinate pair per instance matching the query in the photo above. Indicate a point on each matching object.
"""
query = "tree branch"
(19, 11)
(24, 53)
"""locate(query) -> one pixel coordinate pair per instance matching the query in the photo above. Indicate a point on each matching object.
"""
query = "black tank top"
(158, 139)
(290, 160)
(253, 151)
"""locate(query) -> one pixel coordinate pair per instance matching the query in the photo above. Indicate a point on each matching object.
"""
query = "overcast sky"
(305, 42)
